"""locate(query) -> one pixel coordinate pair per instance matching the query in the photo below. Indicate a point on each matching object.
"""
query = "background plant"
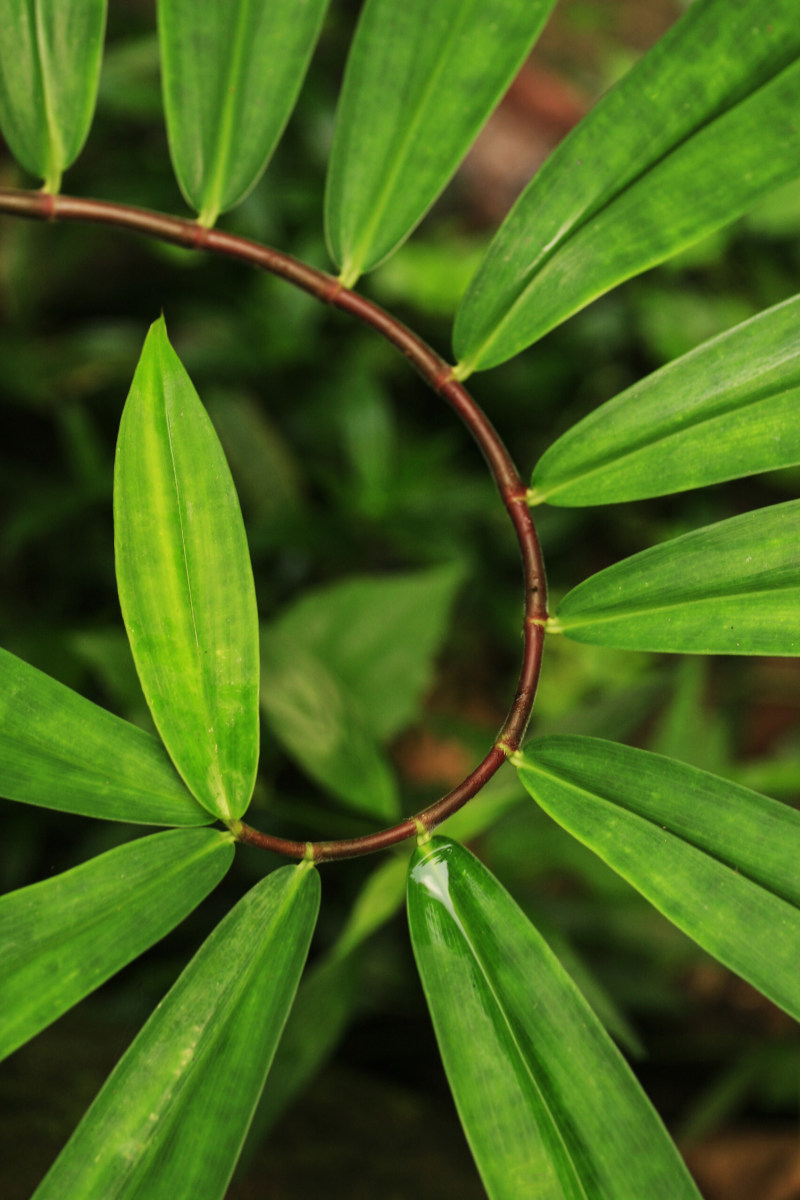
(426, 525)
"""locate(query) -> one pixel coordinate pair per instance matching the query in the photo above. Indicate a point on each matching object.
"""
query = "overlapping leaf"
(50, 53)
(171, 1119)
(548, 1105)
(231, 72)
(60, 939)
(719, 860)
(701, 128)
(185, 582)
(60, 751)
(727, 409)
(420, 81)
(730, 588)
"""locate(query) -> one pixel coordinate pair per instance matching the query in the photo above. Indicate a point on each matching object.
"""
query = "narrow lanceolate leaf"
(50, 52)
(730, 588)
(231, 72)
(549, 1106)
(60, 751)
(727, 409)
(719, 860)
(185, 582)
(171, 1119)
(62, 938)
(702, 127)
(420, 81)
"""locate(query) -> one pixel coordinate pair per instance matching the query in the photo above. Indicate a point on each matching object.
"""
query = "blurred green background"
(349, 469)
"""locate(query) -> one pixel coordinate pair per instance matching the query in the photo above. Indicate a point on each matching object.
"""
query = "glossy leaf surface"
(185, 582)
(549, 1106)
(727, 409)
(703, 126)
(50, 53)
(231, 72)
(420, 81)
(60, 751)
(730, 588)
(717, 859)
(172, 1116)
(60, 939)
(321, 727)
(378, 637)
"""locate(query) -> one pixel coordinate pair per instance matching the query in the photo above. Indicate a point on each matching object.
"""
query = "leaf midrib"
(624, 614)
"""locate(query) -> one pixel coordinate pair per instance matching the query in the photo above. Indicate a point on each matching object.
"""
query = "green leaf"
(730, 588)
(700, 129)
(61, 751)
(171, 1118)
(231, 74)
(549, 1106)
(378, 637)
(727, 409)
(185, 582)
(420, 81)
(60, 939)
(719, 860)
(318, 723)
(50, 53)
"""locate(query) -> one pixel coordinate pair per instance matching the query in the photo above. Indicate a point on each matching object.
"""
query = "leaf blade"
(542, 1092)
(695, 133)
(725, 410)
(729, 588)
(718, 860)
(172, 1116)
(419, 84)
(231, 74)
(60, 939)
(50, 58)
(58, 750)
(185, 582)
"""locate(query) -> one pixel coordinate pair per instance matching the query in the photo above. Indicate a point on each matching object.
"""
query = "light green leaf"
(696, 133)
(61, 751)
(50, 53)
(378, 637)
(549, 1106)
(730, 588)
(172, 1116)
(420, 81)
(185, 582)
(319, 724)
(718, 860)
(727, 409)
(60, 939)
(231, 72)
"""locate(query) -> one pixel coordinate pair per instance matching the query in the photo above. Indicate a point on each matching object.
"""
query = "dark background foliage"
(346, 465)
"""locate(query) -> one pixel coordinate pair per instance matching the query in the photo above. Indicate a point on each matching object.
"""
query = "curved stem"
(438, 374)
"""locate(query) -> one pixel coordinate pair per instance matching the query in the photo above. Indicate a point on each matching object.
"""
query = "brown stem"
(438, 374)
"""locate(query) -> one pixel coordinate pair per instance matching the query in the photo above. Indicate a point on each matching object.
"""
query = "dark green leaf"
(378, 637)
(549, 1106)
(185, 582)
(231, 73)
(718, 860)
(50, 52)
(61, 751)
(172, 1116)
(730, 588)
(320, 725)
(420, 81)
(727, 409)
(702, 127)
(60, 939)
